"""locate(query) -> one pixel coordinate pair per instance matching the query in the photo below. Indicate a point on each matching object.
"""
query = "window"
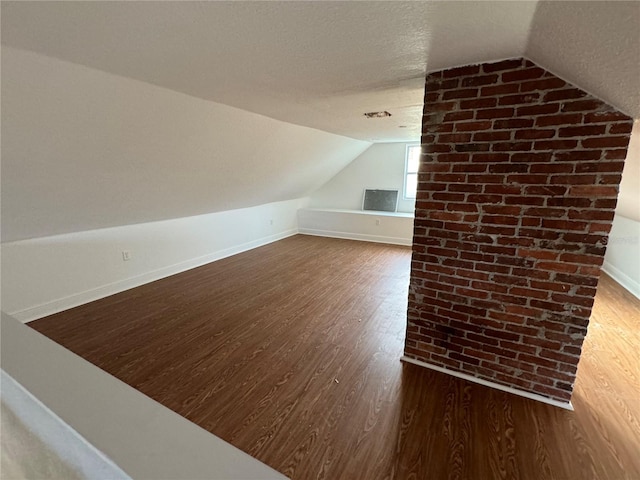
(411, 164)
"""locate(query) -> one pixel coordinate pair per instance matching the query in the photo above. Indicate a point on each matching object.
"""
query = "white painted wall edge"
(80, 298)
(622, 260)
(374, 213)
(622, 278)
(144, 438)
(71, 448)
(355, 236)
(497, 386)
(357, 225)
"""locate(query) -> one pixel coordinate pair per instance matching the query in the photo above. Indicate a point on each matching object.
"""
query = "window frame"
(408, 148)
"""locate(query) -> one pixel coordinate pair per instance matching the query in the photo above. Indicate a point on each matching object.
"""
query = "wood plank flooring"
(291, 353)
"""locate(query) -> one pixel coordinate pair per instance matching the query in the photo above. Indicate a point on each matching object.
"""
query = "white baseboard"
(80, 298)
(622, 278)
(357, 236)
(497, 386)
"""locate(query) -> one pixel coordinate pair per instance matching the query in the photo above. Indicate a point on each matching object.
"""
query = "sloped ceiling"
(83, 149)
(593, 44)
(313, 63)
(323, 64)
(130, 139)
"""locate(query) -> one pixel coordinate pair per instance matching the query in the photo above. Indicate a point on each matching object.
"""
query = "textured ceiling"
(318, 64)
(323, 64)
(593, 44)
(82, 149)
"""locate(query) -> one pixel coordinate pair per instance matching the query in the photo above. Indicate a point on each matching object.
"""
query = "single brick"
(511, 146)
(564, 119)
(490, 157)
(582, 131)
(555, 144)
(463, 93)
(582, 105)
(513, 124)
(495, 113)
(519, 99)
(491, 136)
(593, 191)
(461, 71)
(534, 134)
(577, 155)
(544, 109)
(605, 142)
(480, 80)
(472, 126)
(457, 116)
(499, 90)
(543, 84)
(620, 128)
(454, 137)
(619, 154)
(524, 74)
(564, 94)
(472, 147)
(605, 116)
(502, 65)
(478, 103)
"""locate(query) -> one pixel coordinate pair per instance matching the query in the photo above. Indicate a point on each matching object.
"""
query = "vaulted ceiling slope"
(593, 44)
(104, 122)
(319, 64)
(83, 149)
(323, 64)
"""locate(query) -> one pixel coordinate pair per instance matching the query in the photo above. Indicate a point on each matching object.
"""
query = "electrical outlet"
(126, 255)
(377, 221)
(271, 222)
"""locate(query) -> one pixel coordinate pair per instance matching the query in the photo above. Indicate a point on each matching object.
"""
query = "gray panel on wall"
(380, 200)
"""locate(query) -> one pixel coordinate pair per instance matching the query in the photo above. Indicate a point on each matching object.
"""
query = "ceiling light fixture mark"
(377, 114)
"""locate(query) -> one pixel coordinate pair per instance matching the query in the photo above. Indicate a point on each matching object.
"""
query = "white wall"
(380, 166)
(45, 275)
(36, 443)
(83, 149)
(381, 227)
(622, 260)
(629, 196)
(592, 44)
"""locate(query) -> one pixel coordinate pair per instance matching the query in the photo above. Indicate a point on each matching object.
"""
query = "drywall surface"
(144, 438)
(83, 149)
(381, 166)
(629, 196)
(593, 44)
(36, 443)
(45, 275)
(323, 64)
(381, 227)
(622, 260)
(319, 64)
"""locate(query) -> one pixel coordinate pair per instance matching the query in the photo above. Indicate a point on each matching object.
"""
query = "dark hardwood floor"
(291, 353)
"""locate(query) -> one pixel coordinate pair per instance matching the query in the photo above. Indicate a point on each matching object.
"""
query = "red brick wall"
(517, 188)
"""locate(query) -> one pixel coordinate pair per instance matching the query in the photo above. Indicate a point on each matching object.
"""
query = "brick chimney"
(517, 187)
